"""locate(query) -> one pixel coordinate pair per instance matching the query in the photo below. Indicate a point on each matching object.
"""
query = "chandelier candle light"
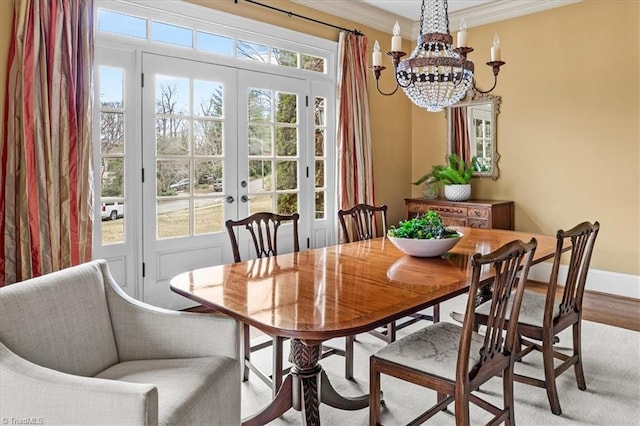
(436, 75)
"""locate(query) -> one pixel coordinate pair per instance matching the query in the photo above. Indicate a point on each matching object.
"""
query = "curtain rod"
(356, 32)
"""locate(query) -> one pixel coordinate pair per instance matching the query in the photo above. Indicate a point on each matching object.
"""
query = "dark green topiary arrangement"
(428, 226)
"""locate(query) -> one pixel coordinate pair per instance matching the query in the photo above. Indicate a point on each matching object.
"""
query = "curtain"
(46, 176)
(460, 134)
(355, 164)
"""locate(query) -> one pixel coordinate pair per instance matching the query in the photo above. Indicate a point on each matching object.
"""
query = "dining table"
(319, 294)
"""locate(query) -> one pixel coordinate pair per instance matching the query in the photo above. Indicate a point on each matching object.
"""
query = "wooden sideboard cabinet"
(473, 213)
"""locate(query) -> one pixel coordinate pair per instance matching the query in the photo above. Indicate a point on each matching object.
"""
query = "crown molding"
(502, 10)
(362, 13)
(378, 19)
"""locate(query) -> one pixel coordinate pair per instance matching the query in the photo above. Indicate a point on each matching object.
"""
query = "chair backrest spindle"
(511, 259)
(263, 228)
(582, 239)
(362, 220)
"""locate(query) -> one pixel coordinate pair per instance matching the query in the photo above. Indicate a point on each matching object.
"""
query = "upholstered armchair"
(75, 349)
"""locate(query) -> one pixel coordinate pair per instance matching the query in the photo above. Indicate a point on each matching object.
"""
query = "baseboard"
(625, 285)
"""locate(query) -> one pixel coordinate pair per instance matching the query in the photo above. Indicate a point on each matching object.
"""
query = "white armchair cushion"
(60, 321)
(187, 388)
(28, 390)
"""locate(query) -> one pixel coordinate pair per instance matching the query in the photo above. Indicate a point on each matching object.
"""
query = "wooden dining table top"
(341, 290)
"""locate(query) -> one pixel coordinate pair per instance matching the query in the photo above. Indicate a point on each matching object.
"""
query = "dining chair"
(543, 316)
(263, 228)
(363, 222)
(453, 360)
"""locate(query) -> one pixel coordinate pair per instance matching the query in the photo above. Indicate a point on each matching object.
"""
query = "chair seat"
(531, 311)
(432, 350)
(180, 382)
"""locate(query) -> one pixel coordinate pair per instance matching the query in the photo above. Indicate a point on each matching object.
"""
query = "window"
(112, 144)
(127, 25)
(177, 150)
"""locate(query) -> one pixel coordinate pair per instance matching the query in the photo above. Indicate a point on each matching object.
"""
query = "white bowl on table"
(425, 247)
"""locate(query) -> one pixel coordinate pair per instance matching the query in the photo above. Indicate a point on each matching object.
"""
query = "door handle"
(244, 198)
(229, 199)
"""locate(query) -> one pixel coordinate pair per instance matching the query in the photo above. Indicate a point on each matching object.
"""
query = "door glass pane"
(173, 218)
(112, 149)
(286, 108)
(284, 57)
(112, 227)
(286, 141)
(112, 177)
(286, 175)
(320, 152)
(260, 141)
(172, 177)
(320, 205)
(172, 95)
(319, 112)
(112, 132)
(259, 102)
(319, 173)
(208, 176)
(172, 136)
(207, 98)
(171, 34)
(260, 175)
(207, 137)
(287, 203)
(122, 24)
(214, 43)
(319, 142)
(253, 51)
(111, 87)
(208, 215)
(312, 63)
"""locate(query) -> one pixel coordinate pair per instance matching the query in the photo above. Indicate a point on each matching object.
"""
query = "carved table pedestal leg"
(305, 388)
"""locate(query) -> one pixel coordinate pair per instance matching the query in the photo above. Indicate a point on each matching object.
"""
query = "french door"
(218, 143)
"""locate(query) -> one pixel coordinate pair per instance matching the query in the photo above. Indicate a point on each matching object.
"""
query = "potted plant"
(430, 186)
(455, 177)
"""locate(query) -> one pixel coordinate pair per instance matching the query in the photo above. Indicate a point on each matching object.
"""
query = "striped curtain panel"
(460, 134)
(46, 176)
(355, 163)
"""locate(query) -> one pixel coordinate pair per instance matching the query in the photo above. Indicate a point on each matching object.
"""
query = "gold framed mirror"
(472, 127)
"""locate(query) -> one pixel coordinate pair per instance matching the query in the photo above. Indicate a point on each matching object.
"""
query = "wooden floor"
(605, 308)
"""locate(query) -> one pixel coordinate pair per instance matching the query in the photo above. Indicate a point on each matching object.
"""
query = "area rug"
(611, 358)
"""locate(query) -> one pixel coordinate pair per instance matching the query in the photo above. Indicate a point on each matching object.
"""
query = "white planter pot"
(457, 192)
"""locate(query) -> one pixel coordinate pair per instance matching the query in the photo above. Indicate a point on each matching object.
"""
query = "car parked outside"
(217, 185)
(181, 185)
(111, 211)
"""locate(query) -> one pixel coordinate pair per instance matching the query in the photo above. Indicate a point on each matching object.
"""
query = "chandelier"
(436, 75)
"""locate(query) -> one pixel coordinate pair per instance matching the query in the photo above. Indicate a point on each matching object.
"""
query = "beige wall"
(568, 129)
(569, 140)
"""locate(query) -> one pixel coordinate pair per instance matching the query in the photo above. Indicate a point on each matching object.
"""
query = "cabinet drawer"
(478, 223)
(450, 211)
(454, 221)
(479, 212)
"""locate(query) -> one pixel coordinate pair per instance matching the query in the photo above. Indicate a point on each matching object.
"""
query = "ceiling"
(382, 14)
